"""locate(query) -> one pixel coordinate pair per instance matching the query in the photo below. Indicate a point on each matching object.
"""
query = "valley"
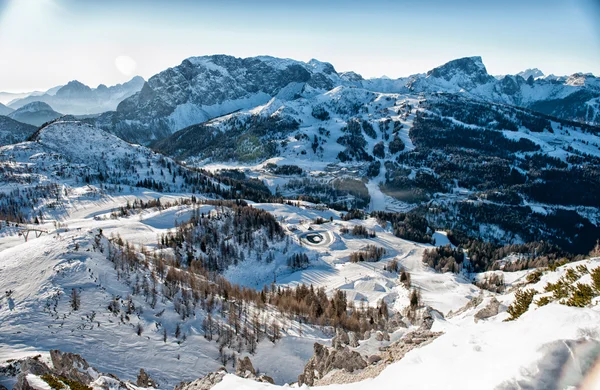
(264, 222)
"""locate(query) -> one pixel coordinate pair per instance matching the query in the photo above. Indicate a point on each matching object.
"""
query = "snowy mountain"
(399, 143)
(78, 99)
(12, 132)
(202, 88)
(35, 113)
(535, 73)
(303, 227)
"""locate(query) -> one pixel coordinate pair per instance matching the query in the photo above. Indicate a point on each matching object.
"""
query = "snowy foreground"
(485, 354)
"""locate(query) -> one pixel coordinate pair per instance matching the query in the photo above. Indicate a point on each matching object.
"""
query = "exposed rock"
(427, 318)
(205, 383)
(376, 363)
(244, 368)
(382, 336)
(71, 366)
(22, 383)
(367, 335)
(33, 365)
(474, 302)
(374, 359)
(353, 339)
(341, 339)
(265, 379)
(490, 310)
(326, 360)
(144, 380)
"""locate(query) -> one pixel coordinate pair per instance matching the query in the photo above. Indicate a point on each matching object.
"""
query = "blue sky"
(49, 42)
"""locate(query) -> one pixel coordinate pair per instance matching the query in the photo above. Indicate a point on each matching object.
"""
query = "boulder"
(490, 310)
(374, 359)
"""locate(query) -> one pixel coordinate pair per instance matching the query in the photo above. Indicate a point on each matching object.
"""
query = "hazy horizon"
(46, 43)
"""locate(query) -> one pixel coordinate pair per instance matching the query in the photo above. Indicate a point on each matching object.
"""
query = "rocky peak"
(73, 88)
(535, 73)
(463, 70)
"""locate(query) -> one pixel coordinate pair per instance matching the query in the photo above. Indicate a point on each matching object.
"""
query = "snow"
(495, 354)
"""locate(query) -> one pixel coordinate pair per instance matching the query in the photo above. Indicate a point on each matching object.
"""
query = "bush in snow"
(523, 299)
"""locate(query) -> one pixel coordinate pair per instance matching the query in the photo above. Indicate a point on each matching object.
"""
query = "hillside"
(5, 110)
(36, 113)
(12, 131)
(445, 156)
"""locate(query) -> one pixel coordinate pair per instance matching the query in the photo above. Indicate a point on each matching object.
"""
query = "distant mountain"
(535, 73)
(35, 113)
(202, 88)
(78, 99)
(12, 131)
(576, 97)
(5, 110)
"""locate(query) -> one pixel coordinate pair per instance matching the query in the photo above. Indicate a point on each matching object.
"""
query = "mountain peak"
(72, 88)
(467, 72)
(533, 72)
(468, 65)
(34, 106)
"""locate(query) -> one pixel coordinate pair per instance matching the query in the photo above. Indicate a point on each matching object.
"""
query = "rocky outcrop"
(71, 366)
(353, 339)
(67, 369)
(490, 310)
(376, 363)
(340, 339)
(326, 360)
(205, 383)
(382, 336)
(144, 380)
(245, 369)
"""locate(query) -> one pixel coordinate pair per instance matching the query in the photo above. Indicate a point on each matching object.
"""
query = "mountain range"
(76, 98)
(327, 229)
(202, 88)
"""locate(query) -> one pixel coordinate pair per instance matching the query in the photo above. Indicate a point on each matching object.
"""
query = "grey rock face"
(341, 339)
(326, 360)
(489, 311)
(205, 383)
(208, 82)
(71, 366)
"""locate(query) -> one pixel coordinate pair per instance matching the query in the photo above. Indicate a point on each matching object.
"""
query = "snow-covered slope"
(202, 88)
(76, 98)
(35, 113)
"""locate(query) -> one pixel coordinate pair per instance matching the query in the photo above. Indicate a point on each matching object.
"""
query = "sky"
(45, 43)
